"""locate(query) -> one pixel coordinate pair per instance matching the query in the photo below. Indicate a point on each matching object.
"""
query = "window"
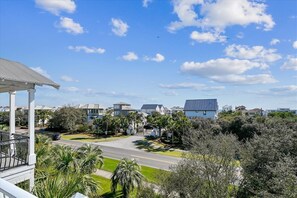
(204, 112)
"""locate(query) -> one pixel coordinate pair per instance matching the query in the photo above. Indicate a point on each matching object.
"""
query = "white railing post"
(31, 126)
(11, 120)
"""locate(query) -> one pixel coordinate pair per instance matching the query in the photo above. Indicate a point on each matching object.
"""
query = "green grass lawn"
(152, 175)
(105, 188)
(158, 147)
(85, 137)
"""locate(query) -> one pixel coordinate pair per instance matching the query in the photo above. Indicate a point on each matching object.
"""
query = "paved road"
(124, 143)
(142, 157)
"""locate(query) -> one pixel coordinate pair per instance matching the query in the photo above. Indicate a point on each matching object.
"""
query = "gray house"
(150, 108)
(201, 108)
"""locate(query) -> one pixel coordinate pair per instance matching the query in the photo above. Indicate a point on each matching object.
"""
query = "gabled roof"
(201, 105)
(13, 72)
(150, 106)
(121, 103)
(88, 106)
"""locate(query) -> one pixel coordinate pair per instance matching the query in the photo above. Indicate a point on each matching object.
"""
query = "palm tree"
(65, 159)
(128, 175)
(90, 158)
(63, 186)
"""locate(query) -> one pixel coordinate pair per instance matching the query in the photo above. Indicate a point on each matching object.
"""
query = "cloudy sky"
(241, 52)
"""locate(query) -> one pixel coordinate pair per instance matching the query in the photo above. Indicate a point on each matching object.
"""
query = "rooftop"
(201, 105)
(16, 76)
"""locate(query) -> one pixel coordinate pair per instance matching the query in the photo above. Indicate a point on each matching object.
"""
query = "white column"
(31, 181)
(12, 113)
(11, 120)
(31, 126)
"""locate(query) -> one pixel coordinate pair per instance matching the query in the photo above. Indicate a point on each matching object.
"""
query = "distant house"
(240, 108)
(150, 108)
(255, 112)
(201, 108)
(122, 108)
(92, 110)
(176, 109)
(280, 110)
(227, 108)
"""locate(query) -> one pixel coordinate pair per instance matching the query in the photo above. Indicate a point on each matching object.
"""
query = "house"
(122, 108)
(150, 108)
(227, 108)
(201, 108)
(176, 109)
(240, 108)
(255, 112)
(17, 156)
(280, 110)
(92, 111)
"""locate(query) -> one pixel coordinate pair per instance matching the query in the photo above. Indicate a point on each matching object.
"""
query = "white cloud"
(295, 45)
(221, 66)
(71, 89)
(68, 79)
(130, 56)
(256, 53)
(195, 86)
(228, 71)
(70, 26)
(56, 6)
(119, 28)
(146, 2)
(245, 79)
(207, 37)
(88, 50)
(41, 71)
(219, 14)
(290, 63)
(158, 58)
(285, 89)
(274, 41)
(170, 93)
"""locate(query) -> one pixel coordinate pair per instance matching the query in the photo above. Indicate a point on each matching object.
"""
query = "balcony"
(13, 151)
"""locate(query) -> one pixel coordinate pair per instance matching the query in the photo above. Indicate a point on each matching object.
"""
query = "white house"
(92, 110)
(122, 108)
(202, 108)
(17, 156)
(150, 108)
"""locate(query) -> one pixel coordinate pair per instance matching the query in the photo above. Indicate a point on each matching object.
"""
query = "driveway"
(125, 143)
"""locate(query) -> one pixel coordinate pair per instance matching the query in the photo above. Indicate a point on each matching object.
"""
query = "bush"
(82, 128)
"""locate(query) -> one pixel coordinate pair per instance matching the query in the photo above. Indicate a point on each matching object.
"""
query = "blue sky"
(241, 52)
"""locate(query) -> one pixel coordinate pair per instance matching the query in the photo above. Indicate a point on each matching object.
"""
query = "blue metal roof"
(150, 106)
(201, 105)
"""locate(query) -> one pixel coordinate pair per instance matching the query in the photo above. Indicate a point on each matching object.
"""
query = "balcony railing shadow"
(13, 150)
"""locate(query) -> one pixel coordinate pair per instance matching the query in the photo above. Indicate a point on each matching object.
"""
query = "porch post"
(11, 119)
(31, 126)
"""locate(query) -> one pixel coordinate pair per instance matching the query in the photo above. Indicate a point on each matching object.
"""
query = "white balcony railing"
(9, 190)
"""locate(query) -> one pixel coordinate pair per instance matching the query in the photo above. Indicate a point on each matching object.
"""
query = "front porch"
(13, 151)
(17, 156)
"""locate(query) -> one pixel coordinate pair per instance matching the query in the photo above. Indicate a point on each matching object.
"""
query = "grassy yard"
(85, 137)
(159, 148)
(152, 175)
(105, 191)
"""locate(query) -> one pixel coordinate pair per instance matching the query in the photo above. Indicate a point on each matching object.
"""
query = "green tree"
(43, 115)
(178, 126)
(90, 158)
(63, 166)
(207, 170)
(159, 121)
(128, 175)
(269, 163)
(67, 118)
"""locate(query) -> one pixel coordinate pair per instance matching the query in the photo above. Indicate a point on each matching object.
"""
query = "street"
(142, 157)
